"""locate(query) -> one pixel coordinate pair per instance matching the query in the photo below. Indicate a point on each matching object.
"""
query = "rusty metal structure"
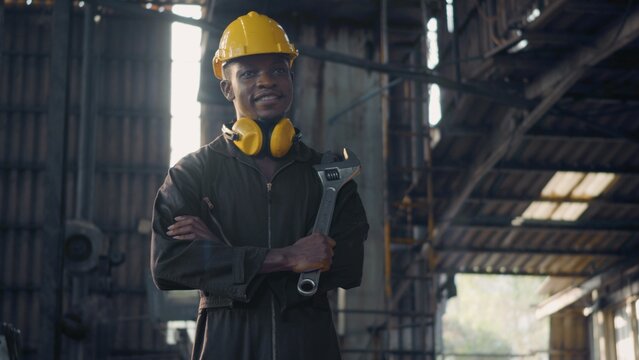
(529, 89)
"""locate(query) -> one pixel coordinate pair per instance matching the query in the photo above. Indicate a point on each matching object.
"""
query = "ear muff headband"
(248, 136)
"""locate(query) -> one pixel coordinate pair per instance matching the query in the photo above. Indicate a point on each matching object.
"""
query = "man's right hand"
(309, 253)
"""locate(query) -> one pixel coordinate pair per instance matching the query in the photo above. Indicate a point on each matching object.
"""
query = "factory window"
(185, 116)
(624, 342)
(176, 329)
(434, 101)
(637, 321)
(185, 80)
(566, 195)
(598, 335)
(450, 16)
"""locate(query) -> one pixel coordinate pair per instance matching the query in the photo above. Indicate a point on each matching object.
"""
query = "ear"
(227, 90)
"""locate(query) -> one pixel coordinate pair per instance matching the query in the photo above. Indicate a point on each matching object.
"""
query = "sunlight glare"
(185, 79)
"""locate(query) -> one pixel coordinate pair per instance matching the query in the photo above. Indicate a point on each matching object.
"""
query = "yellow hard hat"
(252, 34)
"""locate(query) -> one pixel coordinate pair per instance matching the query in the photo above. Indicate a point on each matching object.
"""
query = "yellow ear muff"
(250, 136)
(282, 138)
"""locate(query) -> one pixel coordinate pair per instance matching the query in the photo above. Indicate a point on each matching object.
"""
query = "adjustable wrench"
(333, 175)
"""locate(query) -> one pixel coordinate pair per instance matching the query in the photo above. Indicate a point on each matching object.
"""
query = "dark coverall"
(244, 314)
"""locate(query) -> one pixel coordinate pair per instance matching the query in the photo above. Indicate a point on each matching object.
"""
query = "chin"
(270, 118)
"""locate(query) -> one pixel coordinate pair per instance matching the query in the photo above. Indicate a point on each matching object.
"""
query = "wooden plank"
(618, 35)
(570, 295)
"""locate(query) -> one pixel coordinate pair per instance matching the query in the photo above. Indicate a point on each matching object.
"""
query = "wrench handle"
(325, 212)
(309, 281)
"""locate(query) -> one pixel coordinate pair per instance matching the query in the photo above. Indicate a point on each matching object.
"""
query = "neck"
(269, 121)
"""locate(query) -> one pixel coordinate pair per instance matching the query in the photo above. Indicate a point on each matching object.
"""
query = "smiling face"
(260, 86)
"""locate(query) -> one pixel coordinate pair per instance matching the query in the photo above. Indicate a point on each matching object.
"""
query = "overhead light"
(561, 184)
(539, 210)
(534, 14)
(518, 47)
(569, 211)
(592, 185)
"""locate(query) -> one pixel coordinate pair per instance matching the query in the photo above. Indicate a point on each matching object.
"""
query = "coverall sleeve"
(349, 229)
(208, 265)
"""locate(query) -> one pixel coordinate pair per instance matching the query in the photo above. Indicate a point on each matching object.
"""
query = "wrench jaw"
(336, 174)
(350, 161)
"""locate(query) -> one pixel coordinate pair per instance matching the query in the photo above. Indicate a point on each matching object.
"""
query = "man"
(233, 219)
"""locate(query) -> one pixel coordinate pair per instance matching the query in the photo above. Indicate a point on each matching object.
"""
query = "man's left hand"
(189, 228)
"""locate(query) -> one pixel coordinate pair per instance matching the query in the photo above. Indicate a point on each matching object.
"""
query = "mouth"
(267, 98)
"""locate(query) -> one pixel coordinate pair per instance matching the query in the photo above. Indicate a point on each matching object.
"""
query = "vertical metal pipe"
(86, 162)
(385, 114)
(52, 265)
(1, 34)
(86, 126)
(417, 143)
(430, 288)
(4, 148)
(456, 49)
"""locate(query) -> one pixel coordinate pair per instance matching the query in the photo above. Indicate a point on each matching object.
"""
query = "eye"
(280, 71)
(247, 74)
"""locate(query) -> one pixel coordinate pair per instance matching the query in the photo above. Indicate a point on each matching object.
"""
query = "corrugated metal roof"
(585, 131)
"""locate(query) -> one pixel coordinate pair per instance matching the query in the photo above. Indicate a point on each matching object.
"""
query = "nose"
(265, 80)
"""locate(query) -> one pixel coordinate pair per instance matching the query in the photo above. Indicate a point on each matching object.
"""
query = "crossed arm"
(311, 252)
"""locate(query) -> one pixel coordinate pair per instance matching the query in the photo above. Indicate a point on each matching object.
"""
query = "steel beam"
(52, 260)
(558, 38)
(522, 251)
(137, 9)
(629, 227)
(572, 294)
(517, 167)
(616, 36)
(511, 271)
(421, 202)
(539, 134)
(2, 24)
(100, 168)
(496, 95)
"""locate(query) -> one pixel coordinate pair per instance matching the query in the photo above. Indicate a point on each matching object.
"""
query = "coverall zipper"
(270, 246)
(269, 186)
